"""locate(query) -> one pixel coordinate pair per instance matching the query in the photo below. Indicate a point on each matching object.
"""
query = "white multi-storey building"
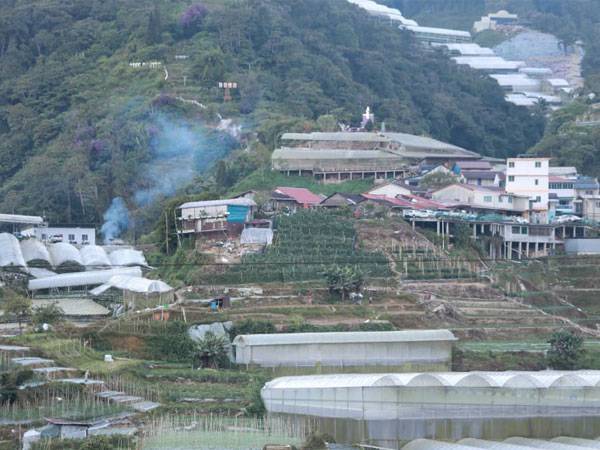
(530, 177)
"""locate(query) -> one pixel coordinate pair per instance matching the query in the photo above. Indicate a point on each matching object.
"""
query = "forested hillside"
(79, 125)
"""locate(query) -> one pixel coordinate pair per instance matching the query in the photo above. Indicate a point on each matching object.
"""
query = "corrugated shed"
(10, 251)
(300, 195)
(93, 256)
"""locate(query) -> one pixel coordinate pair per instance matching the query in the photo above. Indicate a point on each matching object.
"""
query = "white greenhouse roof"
(514, 443)
(344, 337)
(94, 255)
(224, 202)
(10, 251)
(74, 279)
(33, 250)
(520, 100)
(64, 252)
(536, 70)
(17, 218)
(558, 82)
(468, 49)
(427, 444)
(381, 10)
(516, 79)
(514, 380)
(438, 31)
(127, 257)
(488, 63)
(133, 284)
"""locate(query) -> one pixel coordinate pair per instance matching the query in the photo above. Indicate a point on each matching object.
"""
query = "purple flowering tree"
(192, 18)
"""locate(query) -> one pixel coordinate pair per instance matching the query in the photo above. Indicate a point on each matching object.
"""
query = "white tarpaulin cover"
(260, 236)
(89, 278)
(10, 251)
(34, 250)
(63, 252)
(127, 257)
(93, 256)
(133, 284)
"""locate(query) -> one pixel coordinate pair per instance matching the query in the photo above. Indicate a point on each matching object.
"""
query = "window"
(500, 199)
(44, 236)
(538, 164)
(510, 199)
(524, 230)
(589, 192)
(487, 199)
(538, 199)
(511, 164)
(71, 237)
(516, 230)
(537, 182)
(597, 204)
(84, 237)
(511, 178)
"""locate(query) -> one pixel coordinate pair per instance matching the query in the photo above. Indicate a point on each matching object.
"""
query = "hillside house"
(486, 178)
(477, 165)
(71, 235)
(481, 199)
(293, 199)
(340, 200)
(215, 216)
(530, 177)
(391, 189)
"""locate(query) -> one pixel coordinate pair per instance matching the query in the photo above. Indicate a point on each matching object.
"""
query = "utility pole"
(167, 233)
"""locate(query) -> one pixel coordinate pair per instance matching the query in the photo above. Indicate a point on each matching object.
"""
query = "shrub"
(565, 350)
(50, 314)
(211, 352)
(173, 343)
(249, 326)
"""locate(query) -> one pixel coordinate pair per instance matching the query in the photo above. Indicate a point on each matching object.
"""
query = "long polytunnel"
(94, 256)
(493, 445)
(538, 443)
(10, 251)
(588, 443)
(127, 257)
(426, 444)
(35, 253)
(78, 279)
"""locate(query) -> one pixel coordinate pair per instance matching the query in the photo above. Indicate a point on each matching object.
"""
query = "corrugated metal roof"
(89, 278)
(344, 337)
(17, 218)
(336, 136)
(474, 165)
(224, 202)
(300, 195)
(10, 251)
(73, 307)
(334, 154)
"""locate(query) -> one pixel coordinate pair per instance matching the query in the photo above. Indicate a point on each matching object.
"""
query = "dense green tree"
(566, 349)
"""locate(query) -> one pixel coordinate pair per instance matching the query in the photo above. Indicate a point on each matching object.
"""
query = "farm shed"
(10, 251)
(138, 292)
(35, 253)
(425, 348)
(389, 410)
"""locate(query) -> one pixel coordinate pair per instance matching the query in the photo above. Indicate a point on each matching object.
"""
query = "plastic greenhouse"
(390, 410)
(10, 251)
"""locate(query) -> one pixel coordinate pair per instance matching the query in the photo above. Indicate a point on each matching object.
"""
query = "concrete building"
(562, 196)
(485, 178)
(530, 177)
(399, 349)
(339, 156)
(481, 199)
(493, 20)
(387, 410)
(214, 216)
